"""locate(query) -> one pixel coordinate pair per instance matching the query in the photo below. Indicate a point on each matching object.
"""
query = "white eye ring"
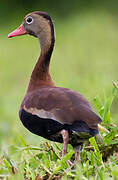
(29, 20)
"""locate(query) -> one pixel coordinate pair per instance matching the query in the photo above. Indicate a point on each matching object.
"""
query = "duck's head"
(38, 24)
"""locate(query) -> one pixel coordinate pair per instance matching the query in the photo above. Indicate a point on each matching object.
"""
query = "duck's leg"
(77, 153)
(65, 136)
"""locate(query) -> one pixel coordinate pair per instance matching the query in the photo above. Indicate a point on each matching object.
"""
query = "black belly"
(40, 126)
(50, 129)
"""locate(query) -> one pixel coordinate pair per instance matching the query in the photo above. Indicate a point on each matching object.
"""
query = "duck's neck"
(40, 76)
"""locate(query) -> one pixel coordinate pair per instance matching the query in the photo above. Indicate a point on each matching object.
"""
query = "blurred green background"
(85, 57)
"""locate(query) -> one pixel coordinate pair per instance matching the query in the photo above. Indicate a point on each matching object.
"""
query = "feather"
(62, 105)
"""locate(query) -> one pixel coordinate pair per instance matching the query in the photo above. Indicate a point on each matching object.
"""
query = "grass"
(85, 59)
(99, 161)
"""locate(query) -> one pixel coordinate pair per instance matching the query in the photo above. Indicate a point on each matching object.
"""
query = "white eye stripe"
(29, 20)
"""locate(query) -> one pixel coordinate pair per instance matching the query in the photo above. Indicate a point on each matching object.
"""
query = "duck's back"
(55, 108)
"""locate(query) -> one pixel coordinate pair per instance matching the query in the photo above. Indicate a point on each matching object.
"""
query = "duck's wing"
(62, 105)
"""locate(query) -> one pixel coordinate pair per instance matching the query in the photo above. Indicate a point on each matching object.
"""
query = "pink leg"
(77, 154)
(65, 136)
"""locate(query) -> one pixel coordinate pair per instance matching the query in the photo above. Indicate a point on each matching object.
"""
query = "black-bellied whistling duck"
(55, 113)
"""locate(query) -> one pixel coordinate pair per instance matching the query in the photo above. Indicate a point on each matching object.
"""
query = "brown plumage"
(56, 113)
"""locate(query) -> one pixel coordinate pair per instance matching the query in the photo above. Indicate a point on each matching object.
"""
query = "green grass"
(98, 161)
(84, 59)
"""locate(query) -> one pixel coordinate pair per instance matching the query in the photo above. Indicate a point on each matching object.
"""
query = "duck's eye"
(29, 20)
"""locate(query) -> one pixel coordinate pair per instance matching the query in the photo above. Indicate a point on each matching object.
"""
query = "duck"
(55, 113)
